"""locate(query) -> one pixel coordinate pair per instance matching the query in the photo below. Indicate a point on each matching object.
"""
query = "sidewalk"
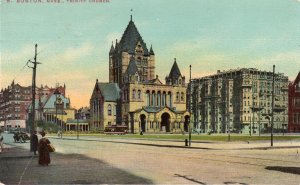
(19, 166)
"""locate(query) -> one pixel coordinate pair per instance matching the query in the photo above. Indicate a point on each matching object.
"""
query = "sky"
(74, 38)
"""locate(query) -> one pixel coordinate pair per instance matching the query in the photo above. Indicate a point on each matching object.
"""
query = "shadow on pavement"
(64, 169)
(286, 169)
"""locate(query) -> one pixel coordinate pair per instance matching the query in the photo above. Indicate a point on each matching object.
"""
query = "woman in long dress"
(44, 155)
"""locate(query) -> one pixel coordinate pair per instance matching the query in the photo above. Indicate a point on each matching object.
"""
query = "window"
(182, 96)
(109, 110)
(158, 99)
(139, 94)
(297, 102)
(133, 94)
(148, 98)
(163, 99)
(177, 96)
(153, 100)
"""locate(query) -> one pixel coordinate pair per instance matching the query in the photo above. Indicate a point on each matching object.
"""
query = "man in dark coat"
(34, 141)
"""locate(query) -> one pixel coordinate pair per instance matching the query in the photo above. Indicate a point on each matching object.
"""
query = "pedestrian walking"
(34, 141)
(44, 155)
(1, 143)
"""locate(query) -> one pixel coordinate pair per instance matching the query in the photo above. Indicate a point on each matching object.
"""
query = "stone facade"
(240, 100)
(145, 103)
(104, 103)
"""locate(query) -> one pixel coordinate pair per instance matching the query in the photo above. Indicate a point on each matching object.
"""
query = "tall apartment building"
(14, 102)
(294, 105)
(241, 100)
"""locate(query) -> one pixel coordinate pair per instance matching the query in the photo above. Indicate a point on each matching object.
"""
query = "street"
(129, 161)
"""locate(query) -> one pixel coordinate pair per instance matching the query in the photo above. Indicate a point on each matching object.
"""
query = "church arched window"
(148, 98)
(133, 94)
(109, 110)
(139, 94)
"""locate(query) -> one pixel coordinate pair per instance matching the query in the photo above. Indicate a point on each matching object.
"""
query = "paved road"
(126, 161)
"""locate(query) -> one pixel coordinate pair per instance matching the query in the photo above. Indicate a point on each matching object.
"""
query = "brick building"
(294, 105)
(14, 103)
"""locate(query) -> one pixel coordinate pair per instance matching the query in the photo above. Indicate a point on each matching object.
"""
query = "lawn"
(205, 137)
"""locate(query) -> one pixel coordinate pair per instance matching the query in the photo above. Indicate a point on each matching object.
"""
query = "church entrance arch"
(165, 122)
(143, 122)
(186, 123)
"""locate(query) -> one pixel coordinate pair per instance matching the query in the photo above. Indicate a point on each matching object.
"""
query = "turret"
(175, 77)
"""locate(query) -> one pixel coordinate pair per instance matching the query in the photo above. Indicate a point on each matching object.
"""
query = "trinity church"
(134, 95)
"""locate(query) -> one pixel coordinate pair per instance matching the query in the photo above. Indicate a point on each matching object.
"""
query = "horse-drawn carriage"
(21, 137)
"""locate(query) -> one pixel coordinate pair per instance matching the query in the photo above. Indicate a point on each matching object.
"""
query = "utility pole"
(190, 100)
(33, 124)
(272, 113)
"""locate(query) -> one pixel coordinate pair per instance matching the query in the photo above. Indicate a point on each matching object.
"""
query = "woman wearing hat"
(44, 155)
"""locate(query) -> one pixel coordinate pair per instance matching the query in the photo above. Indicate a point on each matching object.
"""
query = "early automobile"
(21, 137)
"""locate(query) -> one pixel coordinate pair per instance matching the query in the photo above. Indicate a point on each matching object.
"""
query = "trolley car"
(116, 129)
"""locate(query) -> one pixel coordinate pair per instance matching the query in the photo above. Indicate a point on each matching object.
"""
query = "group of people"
(1, 143)
(42, 147)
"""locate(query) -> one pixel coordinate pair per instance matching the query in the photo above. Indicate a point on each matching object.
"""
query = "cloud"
(74, 53)
(206, 59)
(285, 62)
(13, 65)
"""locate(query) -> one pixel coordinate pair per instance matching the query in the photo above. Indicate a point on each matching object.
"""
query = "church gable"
(155, 81)
(139, 49)
(132, 73)
(109, 91)
(97, 92)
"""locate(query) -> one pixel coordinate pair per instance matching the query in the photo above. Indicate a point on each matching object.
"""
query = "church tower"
(131, 48)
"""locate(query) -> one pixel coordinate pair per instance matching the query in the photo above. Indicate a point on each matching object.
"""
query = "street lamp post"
(56, 92)
(62, 121)
(77, 115)
(228, 121)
